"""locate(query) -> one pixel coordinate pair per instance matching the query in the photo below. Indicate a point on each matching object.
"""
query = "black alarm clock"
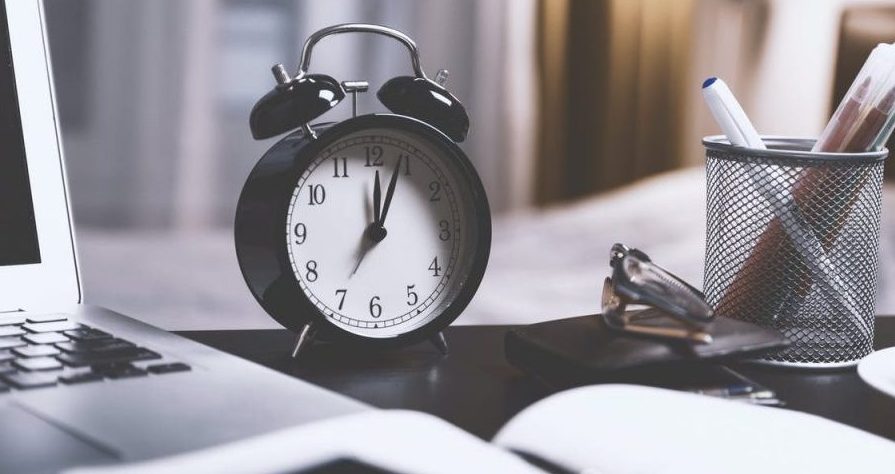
(373, 231)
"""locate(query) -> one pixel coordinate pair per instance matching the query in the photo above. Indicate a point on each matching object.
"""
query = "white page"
(400, 441)
(634, 429)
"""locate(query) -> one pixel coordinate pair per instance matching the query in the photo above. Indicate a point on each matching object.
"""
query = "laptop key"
(81, 377)
(7, 368)
(3, 387)
(36, 351)
(57, 326)
(168, 368)
(100, 345)
(10, 342)
(26, 380)
(11, 320)
(6, 356)
(119, 371)
(45, 338)
(82, 359)
(87, 334)
(11, 331)
(36, 364)
(47, 318)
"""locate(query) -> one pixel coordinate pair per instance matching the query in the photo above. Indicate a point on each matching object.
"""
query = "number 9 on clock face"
(384, 230)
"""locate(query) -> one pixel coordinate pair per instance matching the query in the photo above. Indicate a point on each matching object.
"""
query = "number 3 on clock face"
(381, 232)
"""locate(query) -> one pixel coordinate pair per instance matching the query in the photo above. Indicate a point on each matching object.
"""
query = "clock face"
(381, 260)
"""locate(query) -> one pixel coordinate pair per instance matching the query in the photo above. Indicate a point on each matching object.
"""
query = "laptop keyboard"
(39, 351)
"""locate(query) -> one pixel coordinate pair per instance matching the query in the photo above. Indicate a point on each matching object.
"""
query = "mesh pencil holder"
(792, 243)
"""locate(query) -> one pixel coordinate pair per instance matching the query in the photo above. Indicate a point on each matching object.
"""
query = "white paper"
(400, 441)
(634, 429)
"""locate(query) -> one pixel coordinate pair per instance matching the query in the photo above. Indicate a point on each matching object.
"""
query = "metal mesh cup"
(792, 243)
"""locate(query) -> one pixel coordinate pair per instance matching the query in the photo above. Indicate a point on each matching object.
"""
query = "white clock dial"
(391, 286)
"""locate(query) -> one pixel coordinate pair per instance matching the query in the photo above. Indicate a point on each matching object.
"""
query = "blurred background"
(586, 125)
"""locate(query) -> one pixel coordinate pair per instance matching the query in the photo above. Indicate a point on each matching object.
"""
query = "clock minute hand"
(390, 192)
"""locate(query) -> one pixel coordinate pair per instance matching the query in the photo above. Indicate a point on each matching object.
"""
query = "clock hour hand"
(390, 193)
(377, 199)
(375, 232)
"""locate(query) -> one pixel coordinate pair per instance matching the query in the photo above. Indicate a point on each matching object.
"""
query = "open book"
(607, 428)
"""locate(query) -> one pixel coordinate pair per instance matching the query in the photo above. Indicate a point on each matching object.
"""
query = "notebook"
(600, 428)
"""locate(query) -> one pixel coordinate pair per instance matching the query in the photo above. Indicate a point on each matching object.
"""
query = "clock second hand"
(365, 246)
(367, 242)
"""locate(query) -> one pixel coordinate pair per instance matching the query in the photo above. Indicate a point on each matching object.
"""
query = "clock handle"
(305, 338)
(305, 60)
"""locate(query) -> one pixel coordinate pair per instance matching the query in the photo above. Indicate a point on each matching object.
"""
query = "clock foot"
(304, 339)
(440, 343)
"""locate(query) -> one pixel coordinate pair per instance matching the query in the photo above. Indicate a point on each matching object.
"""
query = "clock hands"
(390, 192)
(377, 199)
(376, 232)
(362, 250)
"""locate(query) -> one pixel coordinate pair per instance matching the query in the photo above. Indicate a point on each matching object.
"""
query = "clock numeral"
(316, 194)
(311, 274)
(375, 307)
(435, 268)
(374, 156)
(412, 297)
(340, 167)
(435, 187)
(445, 233)
(342, 292)
(406, 159)
(301, 233)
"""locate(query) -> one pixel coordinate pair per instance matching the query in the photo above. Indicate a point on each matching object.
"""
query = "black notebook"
(583, 350)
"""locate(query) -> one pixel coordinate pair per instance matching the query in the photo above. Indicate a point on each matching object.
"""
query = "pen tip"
(709, 82)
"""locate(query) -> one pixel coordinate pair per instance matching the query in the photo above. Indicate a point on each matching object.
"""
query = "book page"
(635, 429)
(395, 441)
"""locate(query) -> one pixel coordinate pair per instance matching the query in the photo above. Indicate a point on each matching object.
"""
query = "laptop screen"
(18, 234)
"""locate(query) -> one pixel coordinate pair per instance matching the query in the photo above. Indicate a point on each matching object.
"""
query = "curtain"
(155, 108)
(862, 28)
(612, 94)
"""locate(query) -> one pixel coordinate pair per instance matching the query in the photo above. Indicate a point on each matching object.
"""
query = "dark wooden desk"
(476, 389)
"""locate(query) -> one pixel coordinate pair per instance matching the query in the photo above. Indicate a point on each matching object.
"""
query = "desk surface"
(476, 389)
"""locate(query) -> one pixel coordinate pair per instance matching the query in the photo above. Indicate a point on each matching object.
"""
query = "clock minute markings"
(436, 193)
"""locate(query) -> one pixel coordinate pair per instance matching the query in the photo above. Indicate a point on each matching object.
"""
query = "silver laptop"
(81, 385)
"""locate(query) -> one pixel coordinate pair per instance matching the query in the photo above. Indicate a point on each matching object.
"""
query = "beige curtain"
(861, 29)
(613, 79)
